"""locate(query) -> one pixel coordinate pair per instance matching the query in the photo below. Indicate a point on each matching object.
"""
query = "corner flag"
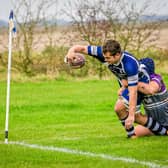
(12, 27)
(12, 33)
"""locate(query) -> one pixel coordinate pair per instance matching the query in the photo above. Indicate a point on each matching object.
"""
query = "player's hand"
(69, 57)
(129, 121)
(120, 91)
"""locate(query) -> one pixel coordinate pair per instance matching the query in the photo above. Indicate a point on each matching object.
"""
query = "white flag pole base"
(6, 141)
(6, 137)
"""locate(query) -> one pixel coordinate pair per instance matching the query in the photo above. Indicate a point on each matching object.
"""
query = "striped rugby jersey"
(128, 67)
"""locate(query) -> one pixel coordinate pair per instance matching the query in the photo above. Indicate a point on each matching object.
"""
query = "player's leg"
(142, 131)
(144, 120)
(156, 106)
(120, 109)
(122, 114)
(151, 124)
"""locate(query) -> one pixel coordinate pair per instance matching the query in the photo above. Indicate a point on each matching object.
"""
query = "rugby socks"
(155, 127)
(130, 131)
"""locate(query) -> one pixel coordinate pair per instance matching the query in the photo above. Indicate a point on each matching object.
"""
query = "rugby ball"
(77, 62)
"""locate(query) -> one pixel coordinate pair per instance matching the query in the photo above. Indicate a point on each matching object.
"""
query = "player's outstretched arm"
(76, 49)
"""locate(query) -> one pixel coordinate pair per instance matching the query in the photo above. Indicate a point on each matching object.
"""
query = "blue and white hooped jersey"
(128, 67)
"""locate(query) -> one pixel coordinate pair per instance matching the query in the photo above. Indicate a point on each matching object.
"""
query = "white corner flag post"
(12, 30)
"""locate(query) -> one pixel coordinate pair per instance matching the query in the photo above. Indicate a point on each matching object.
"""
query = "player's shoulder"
(156, 76)
(129, 59)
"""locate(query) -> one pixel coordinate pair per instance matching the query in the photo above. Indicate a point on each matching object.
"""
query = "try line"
(88, 154)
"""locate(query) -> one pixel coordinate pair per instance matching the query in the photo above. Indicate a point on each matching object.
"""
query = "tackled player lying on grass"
(125, 67)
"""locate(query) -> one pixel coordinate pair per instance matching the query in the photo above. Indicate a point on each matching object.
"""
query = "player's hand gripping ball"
(77, 62)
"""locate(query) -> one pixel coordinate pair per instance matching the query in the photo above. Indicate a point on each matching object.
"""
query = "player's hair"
(111, 46)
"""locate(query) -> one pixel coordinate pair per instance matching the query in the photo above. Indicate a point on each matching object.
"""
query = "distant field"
(65, 36)
(71, 124)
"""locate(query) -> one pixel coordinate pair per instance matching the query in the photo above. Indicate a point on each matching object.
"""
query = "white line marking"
(88, 154)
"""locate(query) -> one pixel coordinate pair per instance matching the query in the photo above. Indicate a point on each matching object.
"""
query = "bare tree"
(135, 33)
(88, 19)
(118, 19)
(29, 15)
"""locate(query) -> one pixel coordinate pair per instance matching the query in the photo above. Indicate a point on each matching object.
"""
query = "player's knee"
(137, 117)
(142, 131)
(140, 118)
(120, 109)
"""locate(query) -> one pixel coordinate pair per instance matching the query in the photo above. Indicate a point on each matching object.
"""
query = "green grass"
(76, 115)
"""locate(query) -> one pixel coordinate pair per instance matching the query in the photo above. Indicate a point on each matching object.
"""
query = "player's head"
(149, 64)
(111, 51)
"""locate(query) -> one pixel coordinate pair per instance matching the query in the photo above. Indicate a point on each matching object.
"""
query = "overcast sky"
(6, 6)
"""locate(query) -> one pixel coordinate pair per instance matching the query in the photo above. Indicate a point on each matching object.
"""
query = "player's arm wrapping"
(155, 85)
(148, 89)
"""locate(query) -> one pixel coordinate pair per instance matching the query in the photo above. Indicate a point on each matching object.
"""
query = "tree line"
(93, 23)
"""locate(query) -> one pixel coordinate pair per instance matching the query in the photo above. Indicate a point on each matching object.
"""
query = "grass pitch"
(77, 116)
